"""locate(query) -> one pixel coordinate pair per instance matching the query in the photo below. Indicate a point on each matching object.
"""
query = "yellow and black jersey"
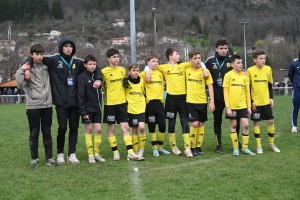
(155, 88)
(113, 85)
(196, 86)
(237, 85)
(175, 77)
(259, 80)
(135, 98)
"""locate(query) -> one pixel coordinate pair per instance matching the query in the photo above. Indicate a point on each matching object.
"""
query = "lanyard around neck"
(68, 64)
(220, 66)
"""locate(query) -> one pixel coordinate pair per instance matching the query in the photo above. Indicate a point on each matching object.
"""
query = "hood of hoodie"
(66, 39)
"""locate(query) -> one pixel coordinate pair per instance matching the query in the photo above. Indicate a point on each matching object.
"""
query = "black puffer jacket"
(89, 98)
(212, 65)
(62, 94)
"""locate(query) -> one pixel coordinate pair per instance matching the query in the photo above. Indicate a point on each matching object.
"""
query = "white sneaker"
(259, 150)
(141, 152)
(135, 157)
(60, 158)
(188, 153)
(92, 159)
(176, 151)
(72, 159)
(274, 148)
(294, 129)
(99, 158)
(116, 156)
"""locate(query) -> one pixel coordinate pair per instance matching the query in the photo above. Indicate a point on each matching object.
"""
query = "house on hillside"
(120, 41)
(8, 45)
(119, 23)
(277, 40)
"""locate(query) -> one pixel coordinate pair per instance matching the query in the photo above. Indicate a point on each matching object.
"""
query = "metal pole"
(245, 48)
(132, 32)
(154, 25)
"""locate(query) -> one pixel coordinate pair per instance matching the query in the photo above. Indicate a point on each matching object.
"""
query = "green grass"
(211, 176)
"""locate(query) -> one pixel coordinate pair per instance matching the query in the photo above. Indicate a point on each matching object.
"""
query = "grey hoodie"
(37, 89)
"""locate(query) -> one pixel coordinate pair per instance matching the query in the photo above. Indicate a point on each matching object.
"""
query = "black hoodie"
(213, 67)
(62, 94)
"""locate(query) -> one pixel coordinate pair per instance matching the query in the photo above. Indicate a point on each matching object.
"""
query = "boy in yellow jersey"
(237, 102)
(136, 106)
(115, 104)
(89, 107)
(261, 81)
(155, 106)
(174, 74)
(196, 99)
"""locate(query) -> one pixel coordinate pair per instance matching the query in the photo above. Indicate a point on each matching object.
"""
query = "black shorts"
(134, 119)
(197, 112)
(238, 114)
(155, 112)
(174, 104)
(262, 113)
(94, 117)
(115, 112)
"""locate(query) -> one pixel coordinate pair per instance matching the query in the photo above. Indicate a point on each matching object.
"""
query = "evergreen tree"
(57, 11)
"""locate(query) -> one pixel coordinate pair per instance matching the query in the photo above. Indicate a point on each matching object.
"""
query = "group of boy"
(75, 90)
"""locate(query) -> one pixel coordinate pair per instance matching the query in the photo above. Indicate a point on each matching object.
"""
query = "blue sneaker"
(247, 151)
(155, 152)
(236, 152)
(163, 151)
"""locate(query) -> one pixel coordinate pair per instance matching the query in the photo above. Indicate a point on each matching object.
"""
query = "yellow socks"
(113, 144)
(153, 140)
(271, 131)
(128, 142)
(89, 144)
(135, 142)
(160, 140)
(193, 135)
(200, 136)
(234, 140)
(172, 140)
(245, 140)
(186, 141)
(97, 143)
(142, 140)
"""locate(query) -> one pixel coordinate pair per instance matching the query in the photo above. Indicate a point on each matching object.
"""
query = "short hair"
(151, 56)
(258, 53)
(133, 66)
(235, 57)
(111, 52)
(193, 53)
(37, 48)
(90, 58)
(169, 52)
(221, 42)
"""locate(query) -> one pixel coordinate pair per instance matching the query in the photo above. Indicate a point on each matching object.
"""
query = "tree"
(57, 11)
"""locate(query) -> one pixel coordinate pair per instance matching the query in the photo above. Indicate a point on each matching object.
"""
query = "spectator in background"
(16, 92)
(281, 85)
(10, 98)
(4, 95)
(276, 83)
(22, 93)
(289, 84)
(294, 76)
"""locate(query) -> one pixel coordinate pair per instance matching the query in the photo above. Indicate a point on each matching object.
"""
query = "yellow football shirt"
(135, 98)
(175, 77)
(238, 85)
(259, 79)
(113, 85)
(155, 88)
(196, 85)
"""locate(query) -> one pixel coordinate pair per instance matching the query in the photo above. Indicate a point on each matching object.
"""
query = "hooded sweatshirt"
(294, 74)
(37, 89)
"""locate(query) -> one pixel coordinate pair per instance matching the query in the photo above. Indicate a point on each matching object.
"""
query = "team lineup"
(134, 100)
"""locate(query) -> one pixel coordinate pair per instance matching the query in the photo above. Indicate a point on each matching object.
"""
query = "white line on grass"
(136, 185)
(195, 162)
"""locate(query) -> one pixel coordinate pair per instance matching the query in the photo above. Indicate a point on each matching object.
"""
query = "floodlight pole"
(245, 48)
